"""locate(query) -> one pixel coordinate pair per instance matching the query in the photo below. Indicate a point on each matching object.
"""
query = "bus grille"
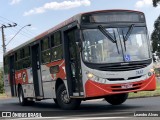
(124, 67)
(121, 79)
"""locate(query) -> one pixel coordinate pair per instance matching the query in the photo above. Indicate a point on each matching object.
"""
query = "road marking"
(73, 118)
(103, 113)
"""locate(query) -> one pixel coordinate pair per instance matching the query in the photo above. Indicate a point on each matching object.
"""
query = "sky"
(45, 14)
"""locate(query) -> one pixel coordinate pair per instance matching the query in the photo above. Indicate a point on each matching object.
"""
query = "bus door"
(12, 75)
(72, 62)
(35, 51)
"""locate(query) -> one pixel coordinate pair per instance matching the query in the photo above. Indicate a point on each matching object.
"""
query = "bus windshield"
(132, 46)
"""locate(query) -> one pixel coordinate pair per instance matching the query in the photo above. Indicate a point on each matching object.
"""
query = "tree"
(155, 37)
(156, 2)
(1, 82)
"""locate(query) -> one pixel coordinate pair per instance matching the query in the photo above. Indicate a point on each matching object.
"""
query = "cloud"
(58, 6)
(13, 2)
(143, 3)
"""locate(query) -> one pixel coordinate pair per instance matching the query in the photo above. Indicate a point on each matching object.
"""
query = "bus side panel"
(30, 86)
(25, 78)
(7, 87)
(47, 82)
(50, 73)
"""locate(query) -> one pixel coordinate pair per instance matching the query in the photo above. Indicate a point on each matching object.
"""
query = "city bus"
(98, 54)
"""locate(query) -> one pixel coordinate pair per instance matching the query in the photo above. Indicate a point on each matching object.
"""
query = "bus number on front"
(138, 72)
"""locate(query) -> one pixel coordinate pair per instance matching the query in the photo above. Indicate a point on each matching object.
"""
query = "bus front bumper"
(94, 89)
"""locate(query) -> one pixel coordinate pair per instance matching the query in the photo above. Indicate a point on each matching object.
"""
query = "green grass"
(146, 93)
(3, 95)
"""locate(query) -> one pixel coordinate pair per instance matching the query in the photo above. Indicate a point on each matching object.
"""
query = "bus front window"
(97, 48)
(137, 43)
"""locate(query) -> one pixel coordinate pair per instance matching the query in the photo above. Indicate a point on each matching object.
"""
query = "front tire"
(117, 99)
(64, 101)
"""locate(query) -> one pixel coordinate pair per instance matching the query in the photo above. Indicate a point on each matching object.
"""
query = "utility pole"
(3, 36)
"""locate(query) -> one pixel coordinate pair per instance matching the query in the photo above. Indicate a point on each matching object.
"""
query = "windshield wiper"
(106, 33)
(116, 41)
(109, 36)
(129, 32)
(124, 40)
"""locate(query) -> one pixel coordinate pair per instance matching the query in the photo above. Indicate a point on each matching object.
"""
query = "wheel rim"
(64, 97)
(20, 97)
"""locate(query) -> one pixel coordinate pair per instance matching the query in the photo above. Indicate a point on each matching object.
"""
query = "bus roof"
(64, 23)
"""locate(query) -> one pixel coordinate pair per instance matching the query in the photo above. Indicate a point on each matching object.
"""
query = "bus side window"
(15, 62)
(6, 63)
(27, 59)
(22, 58)
(56, 44)
(45, 50)
(72, 48)
(19, 64)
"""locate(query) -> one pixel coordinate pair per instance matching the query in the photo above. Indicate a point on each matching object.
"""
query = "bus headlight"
(151, 72)
(90, 75)
(95, 78)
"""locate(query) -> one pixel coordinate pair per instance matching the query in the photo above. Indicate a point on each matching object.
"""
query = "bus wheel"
(116, 99)
(64, 101)
(23, 101)
(55, 101)
(30, 103)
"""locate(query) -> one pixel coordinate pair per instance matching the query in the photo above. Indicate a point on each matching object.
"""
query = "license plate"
(126, 86)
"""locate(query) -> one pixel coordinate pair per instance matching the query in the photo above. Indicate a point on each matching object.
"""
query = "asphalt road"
(89, 110)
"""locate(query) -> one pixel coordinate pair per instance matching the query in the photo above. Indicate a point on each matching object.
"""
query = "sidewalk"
(2, 96)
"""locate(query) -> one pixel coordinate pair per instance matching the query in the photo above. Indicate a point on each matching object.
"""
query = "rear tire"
(64, 101)
(23, 101)
(116, 99)
(30, 102)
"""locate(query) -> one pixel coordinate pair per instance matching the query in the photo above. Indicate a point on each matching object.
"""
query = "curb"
(143, 97)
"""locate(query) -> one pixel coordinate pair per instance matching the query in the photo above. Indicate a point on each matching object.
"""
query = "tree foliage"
(155, 37)
(1, 82)
(156, 2)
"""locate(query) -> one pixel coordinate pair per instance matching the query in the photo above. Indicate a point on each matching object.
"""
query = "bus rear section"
(101, 54)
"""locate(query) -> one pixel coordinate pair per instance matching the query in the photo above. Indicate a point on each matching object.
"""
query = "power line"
(19, 25)
(3, 36)
(24, 33)
(17, 33)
